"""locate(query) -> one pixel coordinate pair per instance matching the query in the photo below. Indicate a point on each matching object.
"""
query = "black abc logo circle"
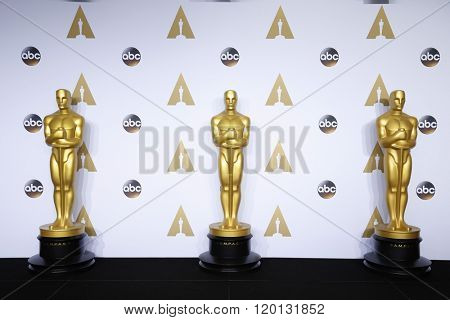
(328, 124)
(326, 189)
(32, 123)
(430, 57)
(131, 56)
(33, 188)
(425, 190)
(132, 188)
(132, 123)
(427, 124)
(329, 57)
(31, 56)
(229, 57)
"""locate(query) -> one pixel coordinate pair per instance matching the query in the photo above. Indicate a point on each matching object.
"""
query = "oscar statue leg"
(229, 249)
(65, 253)
(396, 245)
(55, 175)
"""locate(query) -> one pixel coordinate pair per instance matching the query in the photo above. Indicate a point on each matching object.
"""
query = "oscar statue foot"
(60, 255)
(229, 254)
(397, 256)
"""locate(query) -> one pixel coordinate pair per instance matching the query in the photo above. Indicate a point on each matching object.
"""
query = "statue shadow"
(83, 187)
(375, 180)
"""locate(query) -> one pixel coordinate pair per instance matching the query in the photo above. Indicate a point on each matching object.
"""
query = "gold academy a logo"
(80, 27)
(376, 160)
(181, 94)
(181, 162)
(277, 226)
(378, 94)
(84, 159)
(83, 218)
(180, 27)
(278, 161)
(280, 27)
(180, 225)
(374, 220)
(279, 96)
(381, 27)
(82, 93)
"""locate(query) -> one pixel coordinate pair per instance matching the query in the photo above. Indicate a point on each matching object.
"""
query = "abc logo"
(229, 57)
(131, 56)
(326, 189)
(33, 188)
(32, 123)
(329, 57)
(427, 124)
(425, 190)
(132, 189)
(31, 56)
(132, 123)
(328, 124)
(430, 57)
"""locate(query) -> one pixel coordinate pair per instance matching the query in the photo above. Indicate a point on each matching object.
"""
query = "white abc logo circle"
(327, 189)
(31, 56)
(132, 123)
(229, 57)
(425, 190)
(329, 57)
(328, 124)
(131, 56)
(32, 123)
(430, 57)
(427, 124)
(33, 188)
(132, 188)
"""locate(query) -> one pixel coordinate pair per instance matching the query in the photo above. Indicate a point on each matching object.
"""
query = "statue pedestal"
(229, 254)
(397, 256)
(60, 255)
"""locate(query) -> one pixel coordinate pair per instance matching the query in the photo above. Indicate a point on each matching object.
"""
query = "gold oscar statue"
(230, 131)
(64, 133)
(396, 244)
(397, 133)
(229, 248)
(63, 242)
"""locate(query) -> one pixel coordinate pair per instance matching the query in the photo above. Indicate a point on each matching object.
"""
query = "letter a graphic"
(180, 225)
(80, 22)
(83, 217)
(376, 160)
(374, 220)
(279, 94)
(181, 160)
(277, 225)
(381, 26)
(84, 159)
(180, 27)
(278, 160)
(378, 87)
(280, 27)
(181, 93)
(82, 87)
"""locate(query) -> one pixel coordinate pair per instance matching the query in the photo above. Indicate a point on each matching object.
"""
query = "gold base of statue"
(50, 231)
(382, 230)
(219, 230)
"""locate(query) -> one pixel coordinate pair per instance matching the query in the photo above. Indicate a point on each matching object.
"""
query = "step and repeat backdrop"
(147, 76)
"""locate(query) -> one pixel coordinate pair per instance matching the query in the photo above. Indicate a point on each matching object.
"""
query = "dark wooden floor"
(183, 279)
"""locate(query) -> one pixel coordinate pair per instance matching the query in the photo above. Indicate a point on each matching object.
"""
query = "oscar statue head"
(397, 100)
(63, 99)
(230, 97)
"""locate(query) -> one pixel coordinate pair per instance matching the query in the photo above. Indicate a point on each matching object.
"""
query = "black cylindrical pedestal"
(60, 255)
(397, 256)
(229, 254)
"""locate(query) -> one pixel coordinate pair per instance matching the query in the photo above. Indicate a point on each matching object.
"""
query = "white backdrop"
(322, 228)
